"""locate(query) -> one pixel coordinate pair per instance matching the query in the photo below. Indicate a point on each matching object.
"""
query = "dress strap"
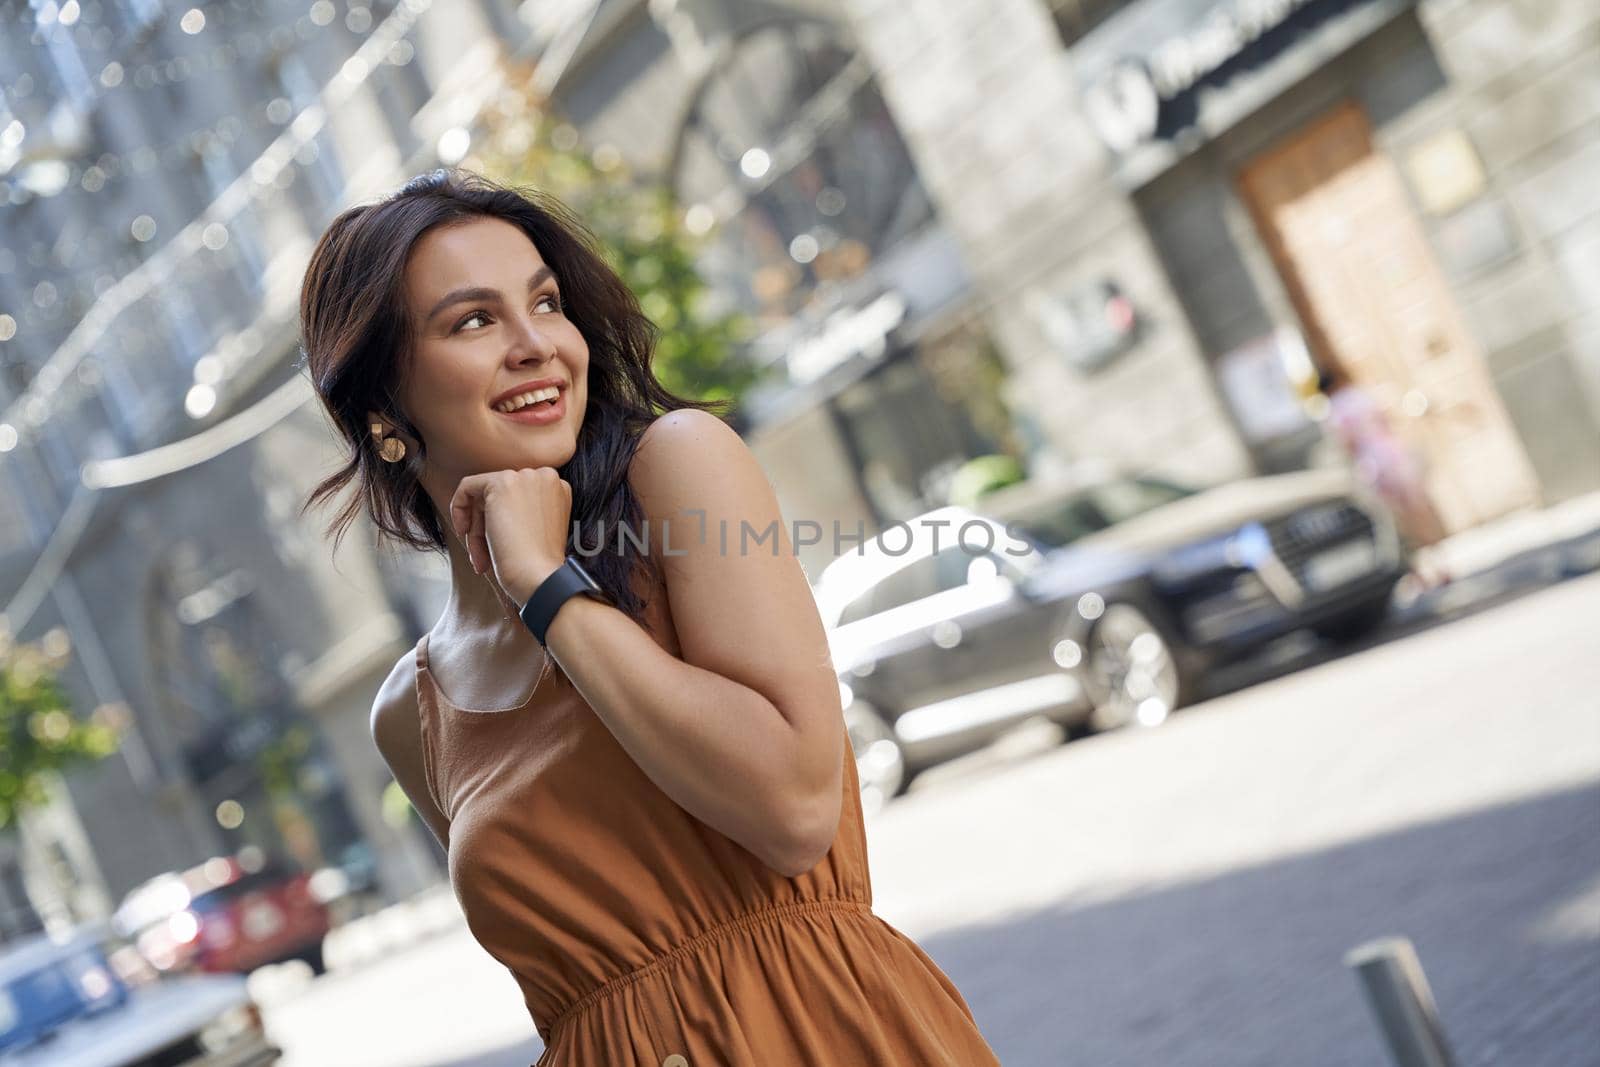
(428, 723)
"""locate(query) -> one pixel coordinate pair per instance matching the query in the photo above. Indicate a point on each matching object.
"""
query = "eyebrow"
(478, 292)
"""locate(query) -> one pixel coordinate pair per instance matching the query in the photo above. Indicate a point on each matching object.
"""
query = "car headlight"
(328, 885)
(235, 1025)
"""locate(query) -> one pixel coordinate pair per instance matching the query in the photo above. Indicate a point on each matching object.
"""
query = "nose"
(529, 341)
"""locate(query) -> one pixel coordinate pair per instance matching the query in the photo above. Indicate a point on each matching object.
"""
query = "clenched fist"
(514, 524)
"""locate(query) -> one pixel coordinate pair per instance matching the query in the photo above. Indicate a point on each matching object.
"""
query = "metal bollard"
(1398, 992)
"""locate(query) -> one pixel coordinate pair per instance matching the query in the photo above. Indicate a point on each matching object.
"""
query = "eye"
(553, 299)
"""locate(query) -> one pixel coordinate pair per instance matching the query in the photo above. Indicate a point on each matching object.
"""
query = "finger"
(466, 512)
(478, 542)
(461, 506)
(466, 516)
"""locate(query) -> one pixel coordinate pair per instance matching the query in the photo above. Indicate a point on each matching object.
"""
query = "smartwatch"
(565, 581)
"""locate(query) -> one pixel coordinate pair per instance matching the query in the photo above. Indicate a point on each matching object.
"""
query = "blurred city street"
(1244, 353)
(1185, 895)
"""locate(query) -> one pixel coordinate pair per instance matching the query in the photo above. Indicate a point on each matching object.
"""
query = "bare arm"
(745, 732)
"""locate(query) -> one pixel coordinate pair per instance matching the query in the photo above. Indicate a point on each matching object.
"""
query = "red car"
(228, 914)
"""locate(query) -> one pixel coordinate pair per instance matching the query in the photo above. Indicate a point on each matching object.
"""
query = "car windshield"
(266, 879)
(1066, 519)
(196, 890)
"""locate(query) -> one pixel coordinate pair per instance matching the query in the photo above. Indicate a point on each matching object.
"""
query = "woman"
(651, 819)
(1387, 465)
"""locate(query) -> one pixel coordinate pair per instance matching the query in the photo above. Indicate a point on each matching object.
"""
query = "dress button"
(675, 1060)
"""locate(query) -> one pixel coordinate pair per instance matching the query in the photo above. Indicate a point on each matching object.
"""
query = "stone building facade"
(1400, 189)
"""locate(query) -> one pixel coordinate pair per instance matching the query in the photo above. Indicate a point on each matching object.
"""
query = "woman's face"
(488, 324)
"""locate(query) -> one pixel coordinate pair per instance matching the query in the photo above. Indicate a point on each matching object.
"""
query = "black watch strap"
(565, 582)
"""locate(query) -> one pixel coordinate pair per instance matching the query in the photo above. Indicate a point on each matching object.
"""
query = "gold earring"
(392, 449)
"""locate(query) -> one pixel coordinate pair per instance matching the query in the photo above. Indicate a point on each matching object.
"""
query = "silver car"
(1097, 603)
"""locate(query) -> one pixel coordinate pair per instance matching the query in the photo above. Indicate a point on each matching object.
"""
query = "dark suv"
(1097, 604)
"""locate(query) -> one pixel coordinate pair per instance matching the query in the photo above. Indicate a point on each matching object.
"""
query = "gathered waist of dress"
(667, 958)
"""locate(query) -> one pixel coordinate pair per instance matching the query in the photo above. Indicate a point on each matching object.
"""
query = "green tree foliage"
(640, 225)
(39, 734)
(283, 758)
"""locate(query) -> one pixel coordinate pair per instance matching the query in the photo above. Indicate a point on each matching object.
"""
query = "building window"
(56, 452)
(189, 338)
(790, 147)
(36, 495)
(68, 64)
(139, 17)
(244, 249)
(123, 403)
(17, 525)
(909, 439)
(1075, 18)
(317, 155)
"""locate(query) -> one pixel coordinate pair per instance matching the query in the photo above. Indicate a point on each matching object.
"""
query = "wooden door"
(1373, 301)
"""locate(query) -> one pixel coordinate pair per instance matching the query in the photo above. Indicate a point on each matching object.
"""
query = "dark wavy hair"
(357, 346)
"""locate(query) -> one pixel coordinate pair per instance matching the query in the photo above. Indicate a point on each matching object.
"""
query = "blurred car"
(85, 1000)
(1101, 603)
(349, 887)
(227, 915)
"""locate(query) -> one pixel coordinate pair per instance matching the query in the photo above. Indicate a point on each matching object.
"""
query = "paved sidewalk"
(1484, 547)
(392, 929)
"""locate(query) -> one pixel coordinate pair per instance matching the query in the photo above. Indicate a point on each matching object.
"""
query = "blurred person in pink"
(1386, 464)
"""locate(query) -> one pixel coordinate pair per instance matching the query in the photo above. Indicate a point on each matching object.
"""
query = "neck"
(488, 634)
(476, 604)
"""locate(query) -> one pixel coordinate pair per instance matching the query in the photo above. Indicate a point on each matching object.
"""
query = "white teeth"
(549, 392)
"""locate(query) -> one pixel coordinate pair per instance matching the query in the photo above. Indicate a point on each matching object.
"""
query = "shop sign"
(1259, 378)
(848, 332)
(1445, 172)
(1090, 325)
(1129, 99)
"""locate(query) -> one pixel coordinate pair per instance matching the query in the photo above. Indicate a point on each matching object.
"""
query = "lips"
(528, 387)
(533, 398)
(538, 414)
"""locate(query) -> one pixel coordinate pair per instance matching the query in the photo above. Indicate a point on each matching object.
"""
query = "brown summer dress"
(641, 936)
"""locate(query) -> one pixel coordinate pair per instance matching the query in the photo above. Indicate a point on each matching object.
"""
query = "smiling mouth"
(534, 398)
(538, 412)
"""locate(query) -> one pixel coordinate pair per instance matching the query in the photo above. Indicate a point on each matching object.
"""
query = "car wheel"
(880, 762)
(1355, 624)
(1132, 671)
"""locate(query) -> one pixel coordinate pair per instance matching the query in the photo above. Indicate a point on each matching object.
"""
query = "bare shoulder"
(396, 724)
(685, 427)
(686, 447)
(397, 731)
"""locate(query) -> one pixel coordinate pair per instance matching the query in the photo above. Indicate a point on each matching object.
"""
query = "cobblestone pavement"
(1185, 896)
